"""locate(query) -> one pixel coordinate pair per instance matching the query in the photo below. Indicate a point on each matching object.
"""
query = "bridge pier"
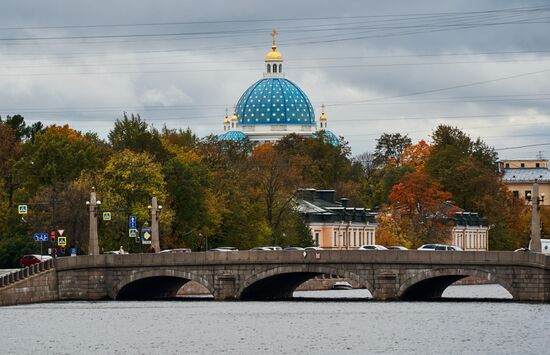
(385, 286)
(224, 287)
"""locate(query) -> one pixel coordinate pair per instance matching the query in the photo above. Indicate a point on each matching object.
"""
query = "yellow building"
(520, 175)
(333, 224)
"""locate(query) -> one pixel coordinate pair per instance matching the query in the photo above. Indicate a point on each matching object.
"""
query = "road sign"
(73, 251)
(22, 209)
(132, 223)
(146, 235)
(133, 233)
(106, 216)
(60, 231)
(41, 237)
(62, 241)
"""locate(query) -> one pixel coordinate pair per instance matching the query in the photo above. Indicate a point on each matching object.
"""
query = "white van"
(544, 246)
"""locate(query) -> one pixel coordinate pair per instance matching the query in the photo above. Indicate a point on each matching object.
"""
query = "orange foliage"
(64, 131)
(416, 155)
(418, 191)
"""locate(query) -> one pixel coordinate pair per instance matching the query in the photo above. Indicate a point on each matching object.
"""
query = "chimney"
(344, 202)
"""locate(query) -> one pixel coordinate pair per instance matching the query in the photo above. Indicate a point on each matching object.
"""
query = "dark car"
(30, 259)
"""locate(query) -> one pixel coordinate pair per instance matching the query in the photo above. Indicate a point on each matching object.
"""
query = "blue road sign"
(132, 223)
(41, 237)
(73, 251)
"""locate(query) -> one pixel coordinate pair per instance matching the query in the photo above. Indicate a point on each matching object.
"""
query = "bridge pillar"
(385, 286)
(224, 287)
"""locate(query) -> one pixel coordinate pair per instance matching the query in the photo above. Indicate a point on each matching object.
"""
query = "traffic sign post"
(62, 241)
(41, 237)
(146, 235)
(22, 209)
(133, 233)
(132, 222)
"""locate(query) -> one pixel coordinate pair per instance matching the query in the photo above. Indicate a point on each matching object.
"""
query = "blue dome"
(328, 137)
(274, 101)
(234, 136)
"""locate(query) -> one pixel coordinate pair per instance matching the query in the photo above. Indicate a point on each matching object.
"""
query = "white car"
(372, 247)
(438, 247)
(224, 249)
(397, 247)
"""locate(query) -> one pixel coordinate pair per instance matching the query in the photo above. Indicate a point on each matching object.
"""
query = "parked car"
(438, 247)
(396, 247)
(177, 250)
(30, 259)
(314, 248)
(272, 248)
(372, 247)
(294, 248)
(224, 249)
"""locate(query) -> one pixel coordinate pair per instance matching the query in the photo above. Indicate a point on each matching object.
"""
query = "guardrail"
(8, 279)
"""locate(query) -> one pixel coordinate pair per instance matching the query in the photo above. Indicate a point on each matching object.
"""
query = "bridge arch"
(158, 283)
(430, 284)
(280, 282)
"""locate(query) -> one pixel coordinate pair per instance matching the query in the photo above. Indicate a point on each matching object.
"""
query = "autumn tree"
(419, 211)
(126, 186)
(133, 133)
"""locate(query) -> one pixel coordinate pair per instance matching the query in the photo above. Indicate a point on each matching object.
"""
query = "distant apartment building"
(334, 224)
(520, 175)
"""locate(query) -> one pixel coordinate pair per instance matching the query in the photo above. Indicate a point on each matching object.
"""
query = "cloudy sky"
(378, 66)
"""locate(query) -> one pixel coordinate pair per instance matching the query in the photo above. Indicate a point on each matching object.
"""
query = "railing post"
(26, 272)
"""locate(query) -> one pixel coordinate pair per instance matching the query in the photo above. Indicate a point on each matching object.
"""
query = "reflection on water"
(288, 327)
(470, 292)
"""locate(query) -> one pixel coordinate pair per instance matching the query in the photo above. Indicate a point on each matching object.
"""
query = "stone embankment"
(36, 283)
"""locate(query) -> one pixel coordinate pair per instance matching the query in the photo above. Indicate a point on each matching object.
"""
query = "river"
(337, 322)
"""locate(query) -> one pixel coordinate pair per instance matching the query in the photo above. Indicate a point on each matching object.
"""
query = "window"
(507, 165)
(280, 68)
(515, 193)
(269, 68)
(343, 238)
(354, 238)
(523, 165)
(274, 68)
(528, 194)
(316, 239)
(360, 238)
(537, 165)
(335, 238)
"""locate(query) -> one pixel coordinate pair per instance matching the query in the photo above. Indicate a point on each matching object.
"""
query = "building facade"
(274, 107)
(470, 231)
(520, 175)
(333, 224)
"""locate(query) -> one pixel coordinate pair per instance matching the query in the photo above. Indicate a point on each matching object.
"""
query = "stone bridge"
(265, 275)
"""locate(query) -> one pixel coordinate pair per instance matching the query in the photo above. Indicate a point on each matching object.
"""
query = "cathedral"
(274, 107)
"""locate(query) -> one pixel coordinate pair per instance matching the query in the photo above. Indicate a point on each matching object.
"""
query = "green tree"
(389, 148)
(134, 134)
(126, 186)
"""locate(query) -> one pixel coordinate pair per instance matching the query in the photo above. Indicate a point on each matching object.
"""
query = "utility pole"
(155, 211)
(535, 220)
(93, 205)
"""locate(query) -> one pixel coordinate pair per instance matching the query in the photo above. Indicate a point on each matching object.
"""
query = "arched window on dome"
(280, 68)
(274, 68)
(269, 68)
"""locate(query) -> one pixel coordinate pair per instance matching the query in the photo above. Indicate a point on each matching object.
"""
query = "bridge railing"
(300, 257)
(21, 274)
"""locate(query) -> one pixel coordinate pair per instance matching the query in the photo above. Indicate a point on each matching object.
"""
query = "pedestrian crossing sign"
(61, 241)
(23, 209)
(106, 216)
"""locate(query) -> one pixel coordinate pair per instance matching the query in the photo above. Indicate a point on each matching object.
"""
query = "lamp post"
(155, 212)
(536, 201)
(93, 208)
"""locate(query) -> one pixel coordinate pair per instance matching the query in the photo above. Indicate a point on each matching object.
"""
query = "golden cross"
(273, 34)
